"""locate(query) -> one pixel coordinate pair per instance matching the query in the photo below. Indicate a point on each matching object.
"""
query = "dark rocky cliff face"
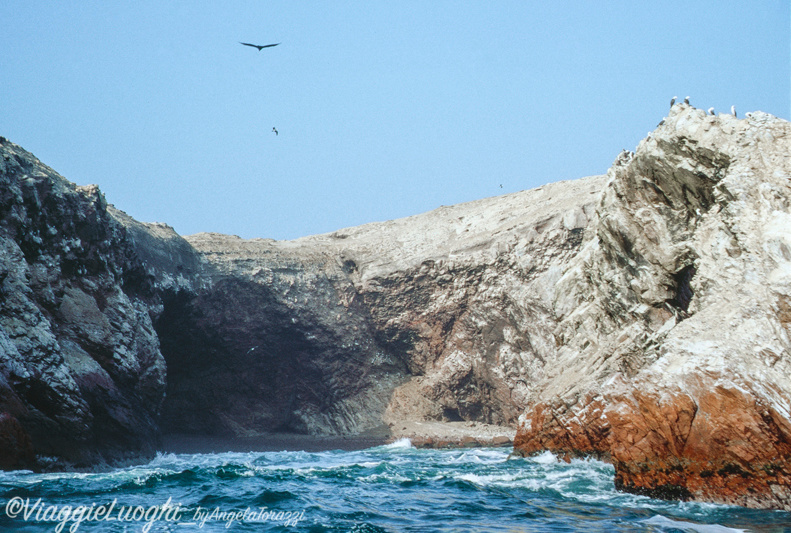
(335, 334)
(253, 356)
(81, 374)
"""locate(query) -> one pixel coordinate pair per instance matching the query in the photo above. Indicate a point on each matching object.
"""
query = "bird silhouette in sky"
(275, 130)
(259, 46)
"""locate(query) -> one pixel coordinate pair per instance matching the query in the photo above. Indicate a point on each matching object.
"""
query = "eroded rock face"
(440, 316)
(672, 323)
(81, 375)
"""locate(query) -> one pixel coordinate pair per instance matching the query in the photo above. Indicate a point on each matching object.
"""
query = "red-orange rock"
(724, 445)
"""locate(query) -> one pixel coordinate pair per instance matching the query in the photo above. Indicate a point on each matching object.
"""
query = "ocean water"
(389, 488)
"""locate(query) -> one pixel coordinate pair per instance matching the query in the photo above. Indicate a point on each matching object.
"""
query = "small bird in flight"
(275, 130)
(259, 46)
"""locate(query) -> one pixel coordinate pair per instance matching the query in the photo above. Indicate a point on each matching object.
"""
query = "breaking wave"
(388, 488)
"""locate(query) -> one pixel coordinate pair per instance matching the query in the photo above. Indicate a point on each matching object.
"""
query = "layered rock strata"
(430, 434)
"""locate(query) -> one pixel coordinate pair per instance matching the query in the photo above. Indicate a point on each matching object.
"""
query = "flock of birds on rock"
(710, 111)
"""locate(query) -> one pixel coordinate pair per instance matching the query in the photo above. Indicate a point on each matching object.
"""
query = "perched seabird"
(733, 110)
(711, 111)
(673, 101)
(275, 130)
(686, 100)
(259, 46)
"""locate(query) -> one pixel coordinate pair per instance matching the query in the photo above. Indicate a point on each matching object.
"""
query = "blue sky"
(384, 109)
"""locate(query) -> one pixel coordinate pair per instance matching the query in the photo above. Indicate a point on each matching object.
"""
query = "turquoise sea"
(389, 488)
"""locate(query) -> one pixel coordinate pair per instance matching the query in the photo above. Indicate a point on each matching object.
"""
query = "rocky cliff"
(672, 324)
(642, 317)
(440, 316)
(81, 375)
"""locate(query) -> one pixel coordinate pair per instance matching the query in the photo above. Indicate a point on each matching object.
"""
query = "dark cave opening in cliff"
(450, 414)
(218, 370)
(242, 362)
(683, 288)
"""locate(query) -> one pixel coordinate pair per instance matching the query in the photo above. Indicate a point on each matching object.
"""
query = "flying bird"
(275, 130)
(259, 46)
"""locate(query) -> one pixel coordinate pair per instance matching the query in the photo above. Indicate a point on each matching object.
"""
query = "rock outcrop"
(642, 317)
(673, 321)
(81, 375)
